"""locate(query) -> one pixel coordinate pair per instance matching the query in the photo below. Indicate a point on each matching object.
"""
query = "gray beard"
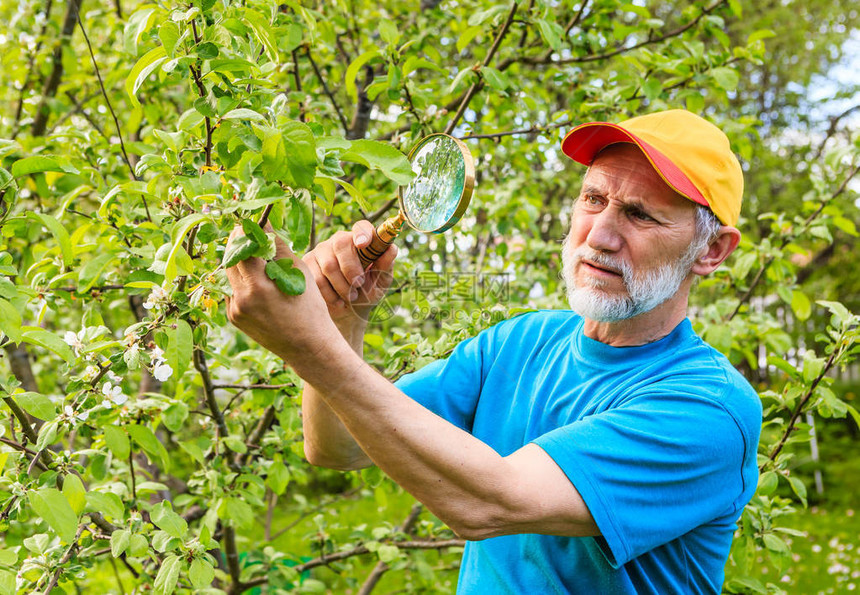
(644, 291)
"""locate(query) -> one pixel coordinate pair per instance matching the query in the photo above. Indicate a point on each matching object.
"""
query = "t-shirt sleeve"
(450, 387)
(653, 469)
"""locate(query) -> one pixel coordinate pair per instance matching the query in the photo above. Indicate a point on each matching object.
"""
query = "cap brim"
(583, 143)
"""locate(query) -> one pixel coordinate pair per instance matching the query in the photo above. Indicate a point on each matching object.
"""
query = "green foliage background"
(145, 443)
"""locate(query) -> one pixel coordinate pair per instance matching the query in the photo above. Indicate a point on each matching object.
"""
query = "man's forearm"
(327, 441)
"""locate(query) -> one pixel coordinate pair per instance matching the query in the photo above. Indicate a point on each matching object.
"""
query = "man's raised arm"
(350, 294)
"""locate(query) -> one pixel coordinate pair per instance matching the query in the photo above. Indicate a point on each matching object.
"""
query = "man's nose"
(605, 233)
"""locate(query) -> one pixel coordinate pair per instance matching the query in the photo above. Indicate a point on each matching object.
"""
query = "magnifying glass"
(435, 199)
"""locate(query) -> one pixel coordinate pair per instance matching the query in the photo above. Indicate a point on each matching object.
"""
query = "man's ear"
(718, 250)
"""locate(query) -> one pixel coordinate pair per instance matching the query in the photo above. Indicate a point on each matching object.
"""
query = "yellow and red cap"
(693, 156)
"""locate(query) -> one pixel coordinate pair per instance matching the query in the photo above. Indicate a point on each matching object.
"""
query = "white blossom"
(157, 354)
(90, 373)
(114, 393)
(72, 340)
(162, 371)
(157, 298)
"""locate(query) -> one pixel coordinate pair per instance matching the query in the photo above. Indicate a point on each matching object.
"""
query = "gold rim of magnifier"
(468, 184)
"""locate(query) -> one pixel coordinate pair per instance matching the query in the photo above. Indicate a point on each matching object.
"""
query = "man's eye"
(641, 216)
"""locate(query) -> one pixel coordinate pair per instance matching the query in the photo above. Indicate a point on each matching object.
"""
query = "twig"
(201, 90)
(31, 63)
(254, 386)
(381, 567)
(532, 130)
(789, 237)
(478, 85)
(68, 556)
(799, 407)
(257, 435)
(40, 121)
(111, 110)
(200, 365)
(298, 83)
(362, 549)
(328, 92)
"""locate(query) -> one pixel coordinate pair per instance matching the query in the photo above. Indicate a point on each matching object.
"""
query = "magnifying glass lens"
(431, 199)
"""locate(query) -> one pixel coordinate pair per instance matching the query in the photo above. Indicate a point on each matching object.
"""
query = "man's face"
(628, 250)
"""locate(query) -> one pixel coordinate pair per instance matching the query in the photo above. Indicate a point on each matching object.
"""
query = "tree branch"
(110, 108)
(31, 64)
(478, 85)
(788, 238)
(40, 122)
(381, 567)
(327, 91)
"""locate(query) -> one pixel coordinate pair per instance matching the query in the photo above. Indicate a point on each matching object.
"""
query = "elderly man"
(604, 450)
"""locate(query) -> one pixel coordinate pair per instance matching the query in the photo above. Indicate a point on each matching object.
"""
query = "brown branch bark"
(381, 567)
(798, 410)
(40, 121)
(363, 109)
(31, 66)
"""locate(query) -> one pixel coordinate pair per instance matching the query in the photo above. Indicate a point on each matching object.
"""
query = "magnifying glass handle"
(382, 238)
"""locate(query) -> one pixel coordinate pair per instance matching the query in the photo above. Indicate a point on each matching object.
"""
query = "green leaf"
(551, 33)
(10, 321)
(383, 157)
(54, 509)
(243, 114)
(263, 30)
(107, 503)
(207, 50)
(235, 444)
(168, 576)
(201, 573)
(119, 542)
(60, 235)
(75, 493)
(137, 546)
(37, 405)
(144, 67)
(240, 512)
(117, 441)
(727, 78)
(92, 270)
(164, 518)
(278, 477)
(775, 543)
(767, 483)
(35, 164)
(352, 72)
(239, 249)
(180, 347)
(180, 230)
(495, 78)
(168, 34)
(153, 448)
(388, 31)
(798, 487)
(299, 222)
(138, 24)
(652, 88)
(800, 304)
(48, 340)
(289, 155)
(289, 279)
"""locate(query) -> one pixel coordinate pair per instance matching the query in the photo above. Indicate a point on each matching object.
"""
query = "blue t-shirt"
(660, 440)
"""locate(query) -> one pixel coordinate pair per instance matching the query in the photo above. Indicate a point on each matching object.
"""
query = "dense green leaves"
(158, 425)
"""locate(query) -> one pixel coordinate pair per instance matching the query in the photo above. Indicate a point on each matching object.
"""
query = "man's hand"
(297, 328)
(349, 291)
